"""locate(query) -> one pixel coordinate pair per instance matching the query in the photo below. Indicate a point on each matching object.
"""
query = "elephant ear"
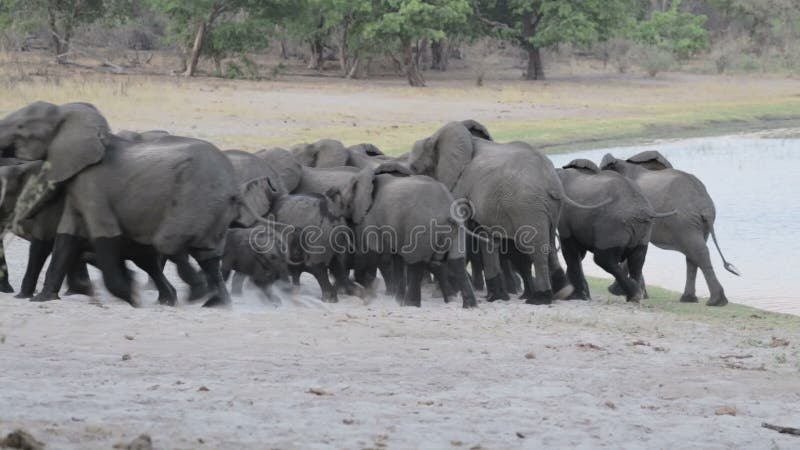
(608, 162)
(393, 167)
(330, 153)
(256, 197)
(79, 142)
(367, 149)
(285, 164)
(359, 193)
(452, 150)
(650, 159)
(583, 165)
(477, 129)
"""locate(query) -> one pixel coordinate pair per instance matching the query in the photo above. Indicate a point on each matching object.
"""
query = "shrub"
(654, 59)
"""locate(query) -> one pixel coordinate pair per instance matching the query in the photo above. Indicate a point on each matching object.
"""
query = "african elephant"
(284, 164)
(39, 230)
(687, 231)
(258, 253)
(410, 218)
(614, 233)
(515, 196)
(328, 153)
(315, 235)
(170, 196)
(143, 136)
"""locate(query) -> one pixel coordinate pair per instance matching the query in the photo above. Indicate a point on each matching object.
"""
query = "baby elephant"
(258, 253)
(615, 232)
(315, 233)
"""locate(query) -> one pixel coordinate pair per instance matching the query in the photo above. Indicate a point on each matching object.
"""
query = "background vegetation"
(362, 38)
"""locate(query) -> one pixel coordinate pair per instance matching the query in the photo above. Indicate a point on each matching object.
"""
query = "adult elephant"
(614, 233)
(327, 153)
(515, 196)
(687, 231)
(410, 218)
(172, 196)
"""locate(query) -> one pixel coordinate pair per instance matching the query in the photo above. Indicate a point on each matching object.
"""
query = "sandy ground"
(310, 375)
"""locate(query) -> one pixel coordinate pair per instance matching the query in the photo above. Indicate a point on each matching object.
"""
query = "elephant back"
(286, 166)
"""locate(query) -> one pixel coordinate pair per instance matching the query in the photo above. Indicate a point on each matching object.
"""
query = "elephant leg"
(573, 255)
(115, 275)
(689, 295)
(542, 291)
(399, 278)
(387, 272)
(439, 271)
(216, 285)
(66, 252)
(147, 258)
(151, 285)
(237, 284)
(78, 281)
(5, 285)
(38, 252)
(495, 286)
(609, 260)
(414, 276)
(700, 255)
(198, 286)
(561, 286)
(476, 266)
(522, 264)
(615, 288)
(458, 268)
(295, 273)
(338, 268)
(320, 273)
(509, 276)
(635, 261)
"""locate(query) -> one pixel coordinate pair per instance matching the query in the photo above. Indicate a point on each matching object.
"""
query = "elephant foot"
(469, 301)
(616, 289)
(5, 287)
(540, 298)
(216, 301)
(495, 290)
(24, 294)
(45, 297)
(198, 291)
(356, 290)
(578, 295)
(719, 300)
(330, 298)
(81, 289)
(689, 298)
(477, 283)
(412, 300)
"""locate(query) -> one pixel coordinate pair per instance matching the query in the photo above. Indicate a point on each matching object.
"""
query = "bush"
(681, 33)
(725, 51)
(654, 59)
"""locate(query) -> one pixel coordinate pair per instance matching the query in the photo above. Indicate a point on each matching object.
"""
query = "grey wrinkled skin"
(514, 190)
(262, 184)
(265, 267)
(614, 233)
(185, 193)
(321, 154)
(144, 136)
(687, 231)
(284, 163)
(409, 217)
(317, 234)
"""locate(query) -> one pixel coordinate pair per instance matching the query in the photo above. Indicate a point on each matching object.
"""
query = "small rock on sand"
(143, 442)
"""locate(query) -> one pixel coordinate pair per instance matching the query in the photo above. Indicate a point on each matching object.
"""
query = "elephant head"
(260, 186)
(282, 162)
(69, 137)
(14, 175)
(356, 199)
(477, 129)
(584, 165)
(323, 153)
(445, 155)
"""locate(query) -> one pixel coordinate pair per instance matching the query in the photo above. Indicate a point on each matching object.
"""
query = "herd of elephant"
(458, 200)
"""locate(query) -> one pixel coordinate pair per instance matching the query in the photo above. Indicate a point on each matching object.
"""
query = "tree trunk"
(439, 55)
(194, 57)
(355, 67)
(411, 64)
(535, 68)
(317, 49)
(344, 61)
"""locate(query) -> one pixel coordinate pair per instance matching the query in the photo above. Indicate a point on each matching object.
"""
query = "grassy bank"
(735, 315)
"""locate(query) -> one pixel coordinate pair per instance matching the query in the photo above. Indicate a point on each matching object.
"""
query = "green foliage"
(681, 33)
(654, 59)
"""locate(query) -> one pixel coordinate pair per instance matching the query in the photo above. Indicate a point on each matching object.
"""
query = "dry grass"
(252, 115)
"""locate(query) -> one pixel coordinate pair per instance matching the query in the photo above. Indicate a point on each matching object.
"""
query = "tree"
(681, 33)
(61, 17)
(538, 24)
(400, 28)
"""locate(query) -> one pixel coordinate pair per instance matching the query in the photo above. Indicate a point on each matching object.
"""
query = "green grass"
(736, 315)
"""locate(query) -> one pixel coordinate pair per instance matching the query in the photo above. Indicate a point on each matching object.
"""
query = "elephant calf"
(614, 233)
(258, 253)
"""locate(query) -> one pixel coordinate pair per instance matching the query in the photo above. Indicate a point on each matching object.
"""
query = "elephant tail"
(728, 266)
(565, 198)
(469, 232)
(658, 215)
